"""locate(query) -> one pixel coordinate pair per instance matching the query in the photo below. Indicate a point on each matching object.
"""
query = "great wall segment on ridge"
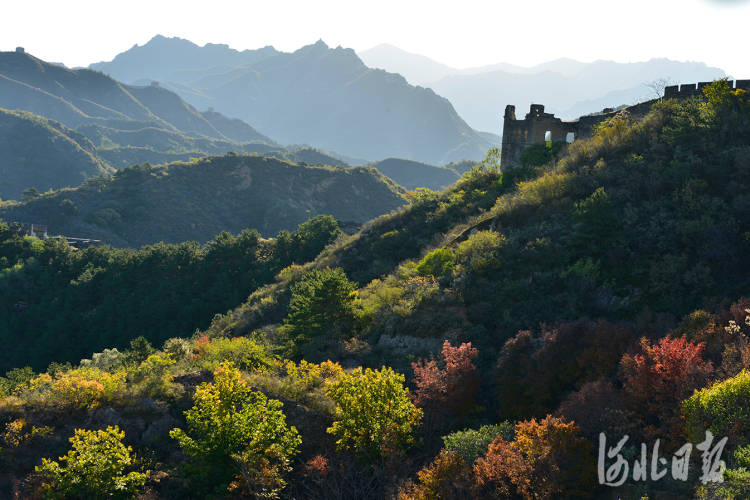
(538, 126)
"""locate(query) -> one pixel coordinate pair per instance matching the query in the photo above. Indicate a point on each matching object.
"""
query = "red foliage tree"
(446, 391)
(659, 378)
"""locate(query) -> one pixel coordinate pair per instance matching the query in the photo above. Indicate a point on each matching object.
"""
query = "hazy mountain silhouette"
(421, 70)
(163, 55)
(75, 97)
(316, 95)
(566, 87)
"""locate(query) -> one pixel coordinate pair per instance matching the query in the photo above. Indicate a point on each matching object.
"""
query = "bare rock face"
(311, 425)
(191, 380)
(143, 422)
(101, 418)
(159, 428)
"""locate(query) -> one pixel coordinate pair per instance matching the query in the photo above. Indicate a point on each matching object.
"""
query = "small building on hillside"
(24, 229)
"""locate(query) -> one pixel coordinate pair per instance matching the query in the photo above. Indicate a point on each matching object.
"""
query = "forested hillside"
(596, 289)
(44, 154)
(81, 302)
(195, 200)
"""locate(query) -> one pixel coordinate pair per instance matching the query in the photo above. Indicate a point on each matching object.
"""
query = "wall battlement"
(696, 89)
(538, 126)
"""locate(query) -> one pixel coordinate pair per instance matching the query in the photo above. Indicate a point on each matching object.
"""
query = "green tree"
(375, 415)
(472, 444)
(597, 225)
(437, 263)
(322, 300)
(312, 236)
(30, 194)
(68, 208)
(140, 350)
(237, 432)
(15, 380)
(95, 468)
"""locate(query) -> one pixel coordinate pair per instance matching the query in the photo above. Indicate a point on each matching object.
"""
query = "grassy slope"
(413, 174)
(667, 238)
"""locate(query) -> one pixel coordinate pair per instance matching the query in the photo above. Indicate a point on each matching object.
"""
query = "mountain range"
(323, 96)
(566, 87)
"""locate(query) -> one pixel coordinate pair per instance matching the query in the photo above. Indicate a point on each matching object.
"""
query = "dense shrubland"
(602, 292)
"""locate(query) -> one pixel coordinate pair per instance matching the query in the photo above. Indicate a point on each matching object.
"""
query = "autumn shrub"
(448, 477)
(447, 388)
(382, 296)
(473, 443)
(481, 251)
(109, 360)
(95, 468)
(237, 437)
(659, 379)
(548, 460)
(303, 382)
(588, 406)
(723, 408)
(19, 431)
(417, 289)
(15, 381)
(347, 476)
(735, 358)
(82, 388)
(153, 379)
(244, 353)
(178, 348)
(291, 274)
(504, 473)
(374, 415)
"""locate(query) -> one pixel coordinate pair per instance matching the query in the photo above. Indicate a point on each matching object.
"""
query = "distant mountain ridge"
(116, 125)
(421, 70)
(163, 55)
(315, 95)
(75, 97)
(566, 87)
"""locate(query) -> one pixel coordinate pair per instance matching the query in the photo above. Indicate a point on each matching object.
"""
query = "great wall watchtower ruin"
(538, 126)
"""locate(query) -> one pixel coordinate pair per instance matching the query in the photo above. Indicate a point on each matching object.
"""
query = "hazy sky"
(461, 34)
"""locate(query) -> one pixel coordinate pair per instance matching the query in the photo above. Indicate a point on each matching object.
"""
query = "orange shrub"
(547, 460)
(82, 388)
(448, 477)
